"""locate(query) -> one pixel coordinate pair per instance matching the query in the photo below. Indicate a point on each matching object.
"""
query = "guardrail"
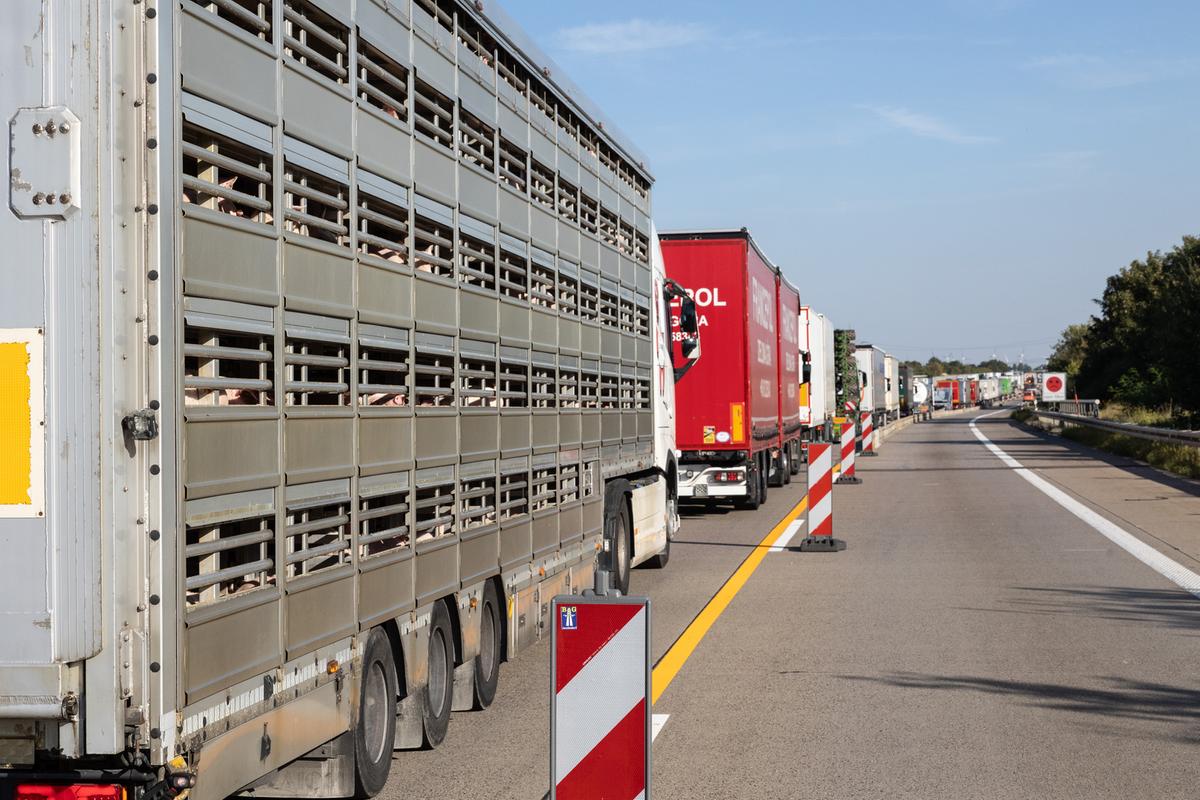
(1082, 408)
(1187, 438)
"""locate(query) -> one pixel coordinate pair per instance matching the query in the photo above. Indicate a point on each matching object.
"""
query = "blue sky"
(951, 176)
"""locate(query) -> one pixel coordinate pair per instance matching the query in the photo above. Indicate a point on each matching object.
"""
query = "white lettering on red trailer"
(762, 299)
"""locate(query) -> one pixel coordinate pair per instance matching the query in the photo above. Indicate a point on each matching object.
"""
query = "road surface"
(976, 639)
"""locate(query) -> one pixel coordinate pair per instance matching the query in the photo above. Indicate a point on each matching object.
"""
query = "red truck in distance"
(728, 409)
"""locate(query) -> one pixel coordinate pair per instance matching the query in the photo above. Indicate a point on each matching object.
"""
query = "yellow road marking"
(669, 665)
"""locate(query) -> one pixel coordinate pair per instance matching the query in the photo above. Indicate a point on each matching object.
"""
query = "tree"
(1069, 353)
(1141, 347)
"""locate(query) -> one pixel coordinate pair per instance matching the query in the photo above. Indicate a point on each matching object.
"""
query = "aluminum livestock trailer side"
(338, 337)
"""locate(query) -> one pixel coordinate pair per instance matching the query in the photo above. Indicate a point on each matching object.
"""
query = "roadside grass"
(1164, 417)
(1174, 458)
(1022, 415)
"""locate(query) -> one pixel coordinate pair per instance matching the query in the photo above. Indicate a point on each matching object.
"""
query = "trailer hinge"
(141, 426)
(44, 169)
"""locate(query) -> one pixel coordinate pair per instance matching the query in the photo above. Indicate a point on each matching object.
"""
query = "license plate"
(700, 490)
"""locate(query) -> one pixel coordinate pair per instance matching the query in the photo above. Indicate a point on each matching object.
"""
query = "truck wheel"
(487, 663)
(659, 561)
(439, 686)
(785, 464)
(795, 463)
(617, 529)
(375, 732)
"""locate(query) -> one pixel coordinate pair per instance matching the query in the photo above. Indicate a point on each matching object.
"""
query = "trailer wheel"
(794, 467)
(785, 464)
(617, 530)
(487, 663)
(439, 685)
(375, 731)
(763, 483)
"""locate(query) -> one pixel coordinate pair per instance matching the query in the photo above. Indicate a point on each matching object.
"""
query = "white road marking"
(782, 540)
(657, 721)
(1173, 571)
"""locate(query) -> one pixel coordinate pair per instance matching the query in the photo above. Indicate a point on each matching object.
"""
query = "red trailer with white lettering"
(787, 323)
(727, 407)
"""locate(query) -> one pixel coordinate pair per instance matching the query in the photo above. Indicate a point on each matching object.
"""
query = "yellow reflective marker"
(669, 665)
(16, 422)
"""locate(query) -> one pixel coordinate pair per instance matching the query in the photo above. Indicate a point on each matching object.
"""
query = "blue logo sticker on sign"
(569, 618)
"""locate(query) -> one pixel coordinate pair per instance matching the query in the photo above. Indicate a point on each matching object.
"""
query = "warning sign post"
(1054, 387)
(600, 698)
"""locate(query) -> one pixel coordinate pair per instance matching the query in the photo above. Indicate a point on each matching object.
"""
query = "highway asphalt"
(975, 639)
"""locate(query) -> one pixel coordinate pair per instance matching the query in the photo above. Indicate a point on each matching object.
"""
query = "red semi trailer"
(787, 323)
(727, 425)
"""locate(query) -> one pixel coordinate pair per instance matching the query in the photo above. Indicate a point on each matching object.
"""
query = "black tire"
(764, 484)
(754, 483)
(375, 731)
(439, 685)
(794, 467)
(785, 464)
(487, 663)
(617, 529)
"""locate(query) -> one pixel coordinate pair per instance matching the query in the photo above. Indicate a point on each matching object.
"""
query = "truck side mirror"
(689, 345)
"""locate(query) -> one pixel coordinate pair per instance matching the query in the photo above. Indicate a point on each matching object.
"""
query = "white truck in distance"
(818, 398)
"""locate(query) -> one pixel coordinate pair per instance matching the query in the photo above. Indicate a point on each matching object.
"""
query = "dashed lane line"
(1173, 571)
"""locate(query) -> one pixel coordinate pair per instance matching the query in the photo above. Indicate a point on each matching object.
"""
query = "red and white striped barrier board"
(849, 442)
(600, 707)
(868, 433)
(820, 500)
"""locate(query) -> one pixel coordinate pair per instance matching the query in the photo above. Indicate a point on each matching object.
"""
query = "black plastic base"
(844, 479)
(869, 454)
(821, 544)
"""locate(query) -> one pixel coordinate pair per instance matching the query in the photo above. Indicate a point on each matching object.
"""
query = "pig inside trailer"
(818, 390)
(727, 408)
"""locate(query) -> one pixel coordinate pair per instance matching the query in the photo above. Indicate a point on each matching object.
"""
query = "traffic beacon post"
(820, 501)
(600, 698)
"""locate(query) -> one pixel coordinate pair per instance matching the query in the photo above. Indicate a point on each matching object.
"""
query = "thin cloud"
(631, 36)
(1090, 72)
(925, 126)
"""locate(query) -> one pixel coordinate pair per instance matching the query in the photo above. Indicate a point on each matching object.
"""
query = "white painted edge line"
(657, 721)
(781, 542)
(1173, 571)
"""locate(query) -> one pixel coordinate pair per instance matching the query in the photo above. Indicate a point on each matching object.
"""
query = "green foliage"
(1069, 353)
(845, 368)
(1141, 349)
(936, 366)
(1022, 414)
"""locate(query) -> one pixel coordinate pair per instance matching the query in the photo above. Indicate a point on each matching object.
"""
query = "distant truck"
(989, 391)
(818, 394)
(891, 387)
(872, 370)
(920, 394)
(728, 427)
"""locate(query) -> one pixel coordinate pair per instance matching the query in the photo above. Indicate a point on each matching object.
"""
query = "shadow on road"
(1171, 608)
(1121, 698)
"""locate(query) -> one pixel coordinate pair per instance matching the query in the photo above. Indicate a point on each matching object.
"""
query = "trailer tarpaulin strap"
(849, 442)
(600, 708)
(868, 433)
